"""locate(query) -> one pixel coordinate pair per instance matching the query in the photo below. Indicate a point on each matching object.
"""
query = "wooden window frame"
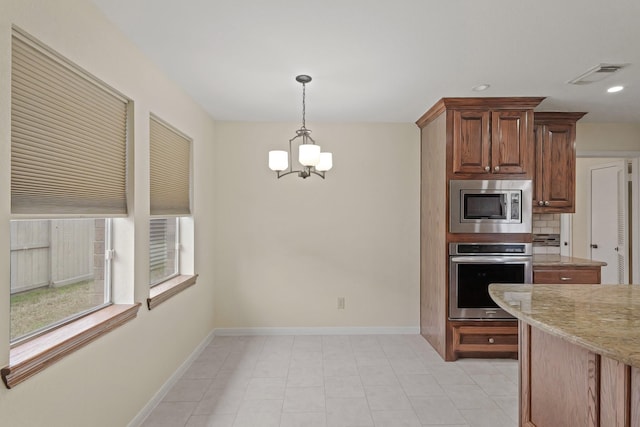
(167, 289)
(28, 358)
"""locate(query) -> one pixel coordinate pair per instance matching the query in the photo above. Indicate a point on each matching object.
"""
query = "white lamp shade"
(278, 160)
(309, 154)
(325, 163)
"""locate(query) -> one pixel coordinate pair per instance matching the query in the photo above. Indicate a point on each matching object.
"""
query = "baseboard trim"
(356, 330)
(171, 381)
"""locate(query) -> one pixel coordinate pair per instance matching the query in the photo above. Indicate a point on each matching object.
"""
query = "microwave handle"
(516, 205)
(506, 205)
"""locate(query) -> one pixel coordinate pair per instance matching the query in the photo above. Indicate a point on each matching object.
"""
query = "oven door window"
(474, 280)
(484, 206)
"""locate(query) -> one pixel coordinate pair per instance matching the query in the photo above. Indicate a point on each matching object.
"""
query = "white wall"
(288, 248)
(109, 381)
(607, 137)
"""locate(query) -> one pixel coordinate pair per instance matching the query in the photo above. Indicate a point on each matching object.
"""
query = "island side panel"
(615, 384)
(563, 383)
(635, 397)
(524, 366)
(433, 226)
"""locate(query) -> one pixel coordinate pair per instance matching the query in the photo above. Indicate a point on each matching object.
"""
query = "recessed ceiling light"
(480, 88)
(614, 89)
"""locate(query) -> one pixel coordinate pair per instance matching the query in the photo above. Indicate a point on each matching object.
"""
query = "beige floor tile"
(338, 387)
(348, 412)
(406, 418)
(304, 399)
(329, 381)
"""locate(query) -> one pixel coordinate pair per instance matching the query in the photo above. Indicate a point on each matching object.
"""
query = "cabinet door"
(471, 142)
(558, 168)
(510, 147)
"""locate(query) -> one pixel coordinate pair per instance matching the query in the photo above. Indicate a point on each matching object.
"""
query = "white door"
(609, 220)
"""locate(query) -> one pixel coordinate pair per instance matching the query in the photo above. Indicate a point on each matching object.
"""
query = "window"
(170, 196)
(68, 179)
(164, 249)
(60, 270)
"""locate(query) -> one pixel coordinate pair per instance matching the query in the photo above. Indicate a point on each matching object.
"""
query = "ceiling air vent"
(596, 73)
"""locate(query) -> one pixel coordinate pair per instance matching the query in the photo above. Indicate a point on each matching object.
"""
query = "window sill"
(165, 290)
(31, 357)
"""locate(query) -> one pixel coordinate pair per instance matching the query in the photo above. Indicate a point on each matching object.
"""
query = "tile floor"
(331, 381)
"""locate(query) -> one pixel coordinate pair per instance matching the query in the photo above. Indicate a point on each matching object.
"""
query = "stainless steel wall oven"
(473, 266)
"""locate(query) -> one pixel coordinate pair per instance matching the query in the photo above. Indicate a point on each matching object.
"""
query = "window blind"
(68, 137)
(170, 179)
(158, 243)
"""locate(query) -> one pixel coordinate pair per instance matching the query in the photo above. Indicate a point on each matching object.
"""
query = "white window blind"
(163, 249)
(68, 137)
(170, 179)
(158, 243)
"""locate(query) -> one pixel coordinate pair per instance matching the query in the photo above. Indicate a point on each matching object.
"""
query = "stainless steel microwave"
(490, 206)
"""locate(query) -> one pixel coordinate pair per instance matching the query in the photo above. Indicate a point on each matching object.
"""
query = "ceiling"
(386, 60)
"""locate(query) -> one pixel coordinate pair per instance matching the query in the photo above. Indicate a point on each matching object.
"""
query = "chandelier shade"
(325, 163)
(310, 156)
(278, 160)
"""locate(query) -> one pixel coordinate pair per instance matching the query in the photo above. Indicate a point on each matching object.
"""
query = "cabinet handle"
(487, 168)
(564, 279)
(491, 340)
(540, 203)
(546, 203)
(497, 168)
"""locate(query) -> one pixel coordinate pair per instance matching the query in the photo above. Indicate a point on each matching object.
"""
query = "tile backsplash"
(546, 224)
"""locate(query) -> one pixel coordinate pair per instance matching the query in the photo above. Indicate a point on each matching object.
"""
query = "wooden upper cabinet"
(471, 149)
(487, 138)
(510, 142)
(492, 142)
(555, 159)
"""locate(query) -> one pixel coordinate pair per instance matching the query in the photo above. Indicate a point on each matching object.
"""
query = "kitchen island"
(579, 352)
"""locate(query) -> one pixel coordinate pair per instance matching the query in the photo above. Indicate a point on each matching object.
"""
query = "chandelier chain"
(304, 107)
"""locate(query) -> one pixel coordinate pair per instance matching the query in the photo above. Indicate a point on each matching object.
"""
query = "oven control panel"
(490, 248)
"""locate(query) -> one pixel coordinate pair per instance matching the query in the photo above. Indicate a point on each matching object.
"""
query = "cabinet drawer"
(485, 339)
(584, 276)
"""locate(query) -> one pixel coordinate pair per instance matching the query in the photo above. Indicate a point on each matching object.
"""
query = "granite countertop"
(549, 260)
(602, 318)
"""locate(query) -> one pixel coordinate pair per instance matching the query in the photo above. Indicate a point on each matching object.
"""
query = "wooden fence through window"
(54, 252)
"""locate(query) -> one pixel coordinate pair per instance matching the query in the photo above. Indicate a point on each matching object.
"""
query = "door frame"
(634, 202)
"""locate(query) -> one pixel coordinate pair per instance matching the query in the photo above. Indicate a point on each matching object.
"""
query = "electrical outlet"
(340, 303)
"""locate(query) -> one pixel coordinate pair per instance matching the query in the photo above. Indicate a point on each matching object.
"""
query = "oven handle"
(481, 259)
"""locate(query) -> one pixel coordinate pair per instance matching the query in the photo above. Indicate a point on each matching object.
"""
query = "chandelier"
(312, 160)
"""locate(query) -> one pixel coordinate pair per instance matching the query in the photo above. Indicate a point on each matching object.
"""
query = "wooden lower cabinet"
(563, 384)
(580, 275)
(483, 339)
